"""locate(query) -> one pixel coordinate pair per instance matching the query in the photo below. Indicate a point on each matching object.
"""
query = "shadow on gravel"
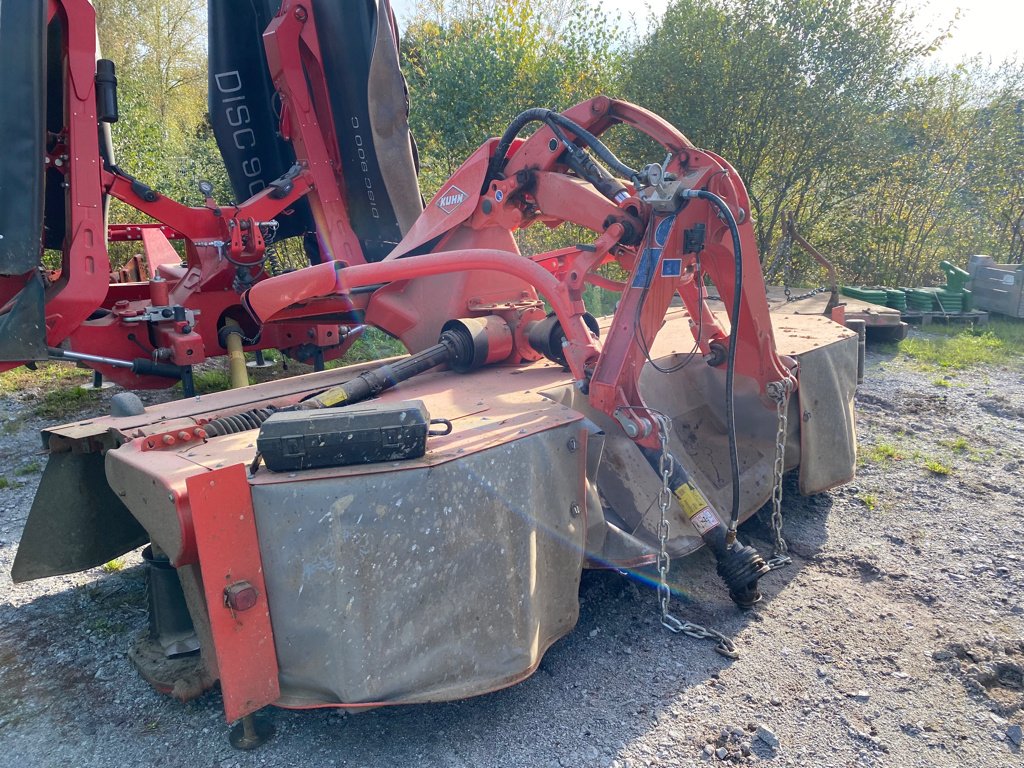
(596, 694)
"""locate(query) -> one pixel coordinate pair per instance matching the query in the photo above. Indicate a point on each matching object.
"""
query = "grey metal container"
(997, 287)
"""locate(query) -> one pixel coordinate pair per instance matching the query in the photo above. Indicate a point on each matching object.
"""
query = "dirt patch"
(992, 671)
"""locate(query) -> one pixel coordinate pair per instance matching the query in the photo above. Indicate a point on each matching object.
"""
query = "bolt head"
(574, 509)
(240, 596)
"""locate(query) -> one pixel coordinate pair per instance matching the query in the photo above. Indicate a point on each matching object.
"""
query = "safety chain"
(269, 230)
(784, 253)
(723, 644)
(812, 292)
(779, 392)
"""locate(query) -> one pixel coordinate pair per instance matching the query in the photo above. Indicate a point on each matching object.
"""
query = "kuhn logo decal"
(451, 199)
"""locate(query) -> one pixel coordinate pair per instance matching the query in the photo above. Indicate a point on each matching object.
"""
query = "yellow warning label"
(333, 397)
(691, 500)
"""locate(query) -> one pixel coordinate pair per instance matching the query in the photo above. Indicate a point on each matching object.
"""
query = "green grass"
(959, 445)
(373, 344)
(941, 382)
(29, 469)
(949, 348)
(211, 380)
(65, 402)
(881, 453)
(869, 500)
(4, 483)
(114, 566)
(269, 355)
(46, 375)
(936, 467)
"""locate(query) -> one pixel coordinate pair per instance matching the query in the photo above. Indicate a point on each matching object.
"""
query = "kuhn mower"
(410, 530)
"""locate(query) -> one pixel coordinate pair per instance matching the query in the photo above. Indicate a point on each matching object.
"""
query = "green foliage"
(163, 135)
(958, 445)
(826, 109)
(372, 345)
(472, 67)
(4, 483)
(114, 566)
(46, 376)
(788, 91)
(210, 380)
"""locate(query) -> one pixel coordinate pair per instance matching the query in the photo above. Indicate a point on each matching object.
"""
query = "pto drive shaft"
(456, 347)
(739, 566)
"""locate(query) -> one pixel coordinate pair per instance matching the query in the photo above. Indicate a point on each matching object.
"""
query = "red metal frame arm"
(293, 50)
(85, 266)
(270, 297)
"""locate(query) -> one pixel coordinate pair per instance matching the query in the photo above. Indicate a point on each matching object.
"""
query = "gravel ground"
(895, 639)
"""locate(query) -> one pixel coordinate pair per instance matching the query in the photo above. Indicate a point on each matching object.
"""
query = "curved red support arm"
(272, 296)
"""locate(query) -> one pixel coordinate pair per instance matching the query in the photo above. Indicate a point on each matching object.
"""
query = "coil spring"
(239, 422)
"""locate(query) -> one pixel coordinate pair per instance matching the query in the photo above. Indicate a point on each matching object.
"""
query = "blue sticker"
(664, 227)
(499, 195)
(645, 268)
(672, 268)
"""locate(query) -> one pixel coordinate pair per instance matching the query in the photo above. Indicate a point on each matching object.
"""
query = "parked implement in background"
(414, 530)
(997, 287)
(149, 323)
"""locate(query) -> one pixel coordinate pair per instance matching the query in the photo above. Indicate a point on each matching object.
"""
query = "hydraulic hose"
(599, 147)
(551, 118)
(730, 359)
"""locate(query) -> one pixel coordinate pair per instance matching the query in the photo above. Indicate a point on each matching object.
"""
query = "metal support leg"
(188, 384)
(250, 732)
(260, 361)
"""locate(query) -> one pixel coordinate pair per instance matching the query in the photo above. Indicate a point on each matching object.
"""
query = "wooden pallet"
(974, 317)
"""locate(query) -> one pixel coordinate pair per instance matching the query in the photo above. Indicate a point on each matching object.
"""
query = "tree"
(900, 227)
(998, 168)
(789, 91)
(472, 66)
(163, 135)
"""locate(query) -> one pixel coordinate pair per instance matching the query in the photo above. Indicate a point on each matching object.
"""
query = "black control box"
(339, 437)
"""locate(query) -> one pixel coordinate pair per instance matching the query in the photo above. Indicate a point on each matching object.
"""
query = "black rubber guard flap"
(55, 210)
(22, 134)
(348, 34)
(244, 108)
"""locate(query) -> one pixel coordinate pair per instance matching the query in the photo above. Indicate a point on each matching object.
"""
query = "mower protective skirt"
(22, 134)
(423, 583)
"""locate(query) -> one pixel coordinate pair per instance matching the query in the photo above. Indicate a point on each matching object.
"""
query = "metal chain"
(270, 248)
(779, 391)
(723, 645)
(812, 292)
(785, 254)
